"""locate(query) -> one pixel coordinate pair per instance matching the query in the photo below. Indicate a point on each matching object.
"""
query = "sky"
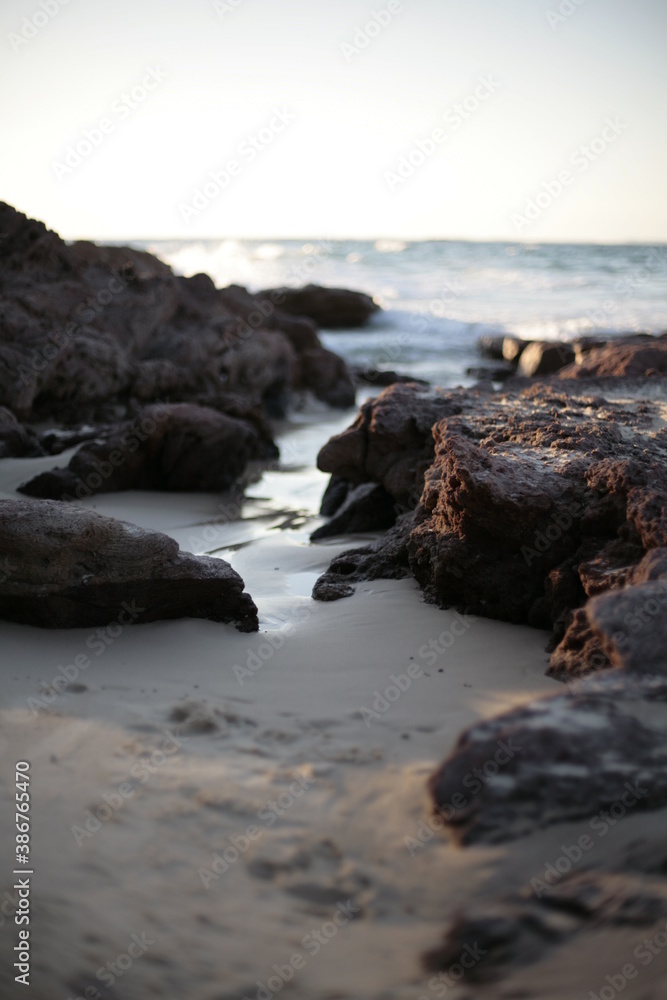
(535, 120)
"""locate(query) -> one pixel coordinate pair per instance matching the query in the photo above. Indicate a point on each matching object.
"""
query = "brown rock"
(67, 567)
(544, 358)
(331, 308)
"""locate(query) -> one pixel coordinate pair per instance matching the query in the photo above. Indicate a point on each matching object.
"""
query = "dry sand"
(260, 807)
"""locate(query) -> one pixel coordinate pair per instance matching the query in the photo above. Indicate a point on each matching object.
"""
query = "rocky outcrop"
(85, 329)
(67, 567)
(543, 358)
(390, 442)
(17, 441)
(331, 308)
(179, 446)
(506, 934)
(526, 502)
(567, 757)
(620, 360)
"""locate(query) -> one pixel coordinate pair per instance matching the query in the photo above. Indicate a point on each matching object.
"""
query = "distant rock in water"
(177, 446)
(331, 308)
(68, 567)
(17, 441)
(87, 330)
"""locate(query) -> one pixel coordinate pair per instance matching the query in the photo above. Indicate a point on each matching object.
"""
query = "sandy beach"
(224, 805)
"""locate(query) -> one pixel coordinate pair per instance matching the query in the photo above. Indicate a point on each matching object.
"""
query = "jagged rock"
(179, 446)
(620, 360)
(530, 496)
(84, 325)
(544, 358)
(390, 442)
(558, 759)
(332, 308)
(17, 441)
(623, 625)
(384, 559)
(67, 567)
(366, 508)
(521, 928)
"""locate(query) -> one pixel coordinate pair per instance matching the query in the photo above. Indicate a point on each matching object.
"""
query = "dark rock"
(82, 326)
(366, 508)
(334, 495)
(373, 376)
(620, 360)
(17, 441)
(384, 559)
(558, 759)
(390, 442)
(523, 927)
(179, 446)
(327, 376)
(67, 567)
(495, 373)
(544, 358)
(331, 308)
(491, 348)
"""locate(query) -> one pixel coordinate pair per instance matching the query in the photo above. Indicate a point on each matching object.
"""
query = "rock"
(384, 559)
(491, 347)
(558, 759)
(620, 360)
(331, 308)
(513, 348)
(624, 625)
(334, 496)
(390, 442)
(17, 441)
(524, 927)
(67, 567)
(494, 373)
(366, 508)
(85, 327)
(327, 376)
(373, 376)
(527, 501)
(544, 358)
(178, 446)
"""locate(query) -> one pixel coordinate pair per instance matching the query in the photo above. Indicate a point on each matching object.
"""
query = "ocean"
(438, 297)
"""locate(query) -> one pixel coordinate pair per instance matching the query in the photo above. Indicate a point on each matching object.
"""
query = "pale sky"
(305, 109)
